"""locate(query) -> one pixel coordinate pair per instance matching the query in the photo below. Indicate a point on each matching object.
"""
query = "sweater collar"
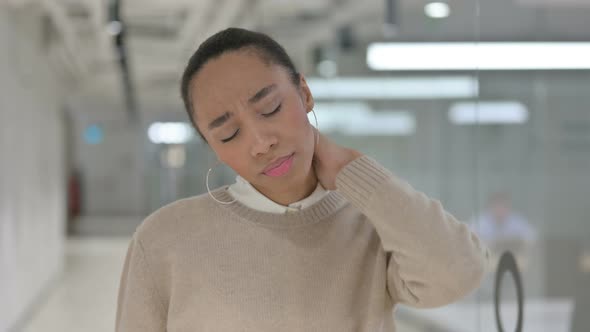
(329, 204)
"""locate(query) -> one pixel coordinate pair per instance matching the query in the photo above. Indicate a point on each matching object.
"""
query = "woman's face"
(254, 118)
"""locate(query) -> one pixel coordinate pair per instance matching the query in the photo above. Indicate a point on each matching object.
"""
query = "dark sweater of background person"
(342, 264)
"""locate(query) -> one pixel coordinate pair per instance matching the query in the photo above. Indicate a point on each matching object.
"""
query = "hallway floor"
(85, 297)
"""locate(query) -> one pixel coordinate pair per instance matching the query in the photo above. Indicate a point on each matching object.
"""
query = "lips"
(279, 166)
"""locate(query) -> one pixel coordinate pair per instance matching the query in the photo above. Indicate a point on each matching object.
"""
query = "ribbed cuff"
(360, 178)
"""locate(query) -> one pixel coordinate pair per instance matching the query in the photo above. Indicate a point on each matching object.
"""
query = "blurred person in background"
(503, 229)
(312, 236)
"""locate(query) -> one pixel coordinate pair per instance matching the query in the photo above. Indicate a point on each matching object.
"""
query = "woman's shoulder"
(176, 217)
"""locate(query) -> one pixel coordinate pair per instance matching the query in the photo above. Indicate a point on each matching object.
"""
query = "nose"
(262, 142)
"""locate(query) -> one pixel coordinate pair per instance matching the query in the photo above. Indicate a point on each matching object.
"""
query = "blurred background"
(482, 104)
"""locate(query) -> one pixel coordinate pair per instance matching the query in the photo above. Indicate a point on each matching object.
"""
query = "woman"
(313, 236)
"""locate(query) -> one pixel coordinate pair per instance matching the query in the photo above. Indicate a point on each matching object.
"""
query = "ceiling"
(162, 34)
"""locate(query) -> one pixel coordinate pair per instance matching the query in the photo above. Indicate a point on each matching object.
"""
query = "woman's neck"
(292, 194)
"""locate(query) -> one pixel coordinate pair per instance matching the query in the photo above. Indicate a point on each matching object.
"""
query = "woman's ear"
(306, 94)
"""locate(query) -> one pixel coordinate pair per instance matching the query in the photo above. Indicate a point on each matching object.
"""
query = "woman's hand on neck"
(329, 158)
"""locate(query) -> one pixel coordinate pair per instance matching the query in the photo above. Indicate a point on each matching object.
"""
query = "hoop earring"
(317, 140)
(209, 190)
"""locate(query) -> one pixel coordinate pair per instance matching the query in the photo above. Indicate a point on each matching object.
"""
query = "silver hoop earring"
(209, 190)
(317, 140)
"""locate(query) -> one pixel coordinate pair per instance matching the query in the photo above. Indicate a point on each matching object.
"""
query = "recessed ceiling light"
(114, 28)
(327, 68)
(437, 10)
(170, 132)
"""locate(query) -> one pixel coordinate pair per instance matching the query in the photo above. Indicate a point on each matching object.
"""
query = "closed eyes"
(273, 112)
(276, 110)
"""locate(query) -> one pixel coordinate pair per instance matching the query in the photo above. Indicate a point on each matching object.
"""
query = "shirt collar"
(246, 194)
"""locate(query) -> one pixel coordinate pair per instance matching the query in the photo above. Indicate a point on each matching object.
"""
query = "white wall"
(32, 179)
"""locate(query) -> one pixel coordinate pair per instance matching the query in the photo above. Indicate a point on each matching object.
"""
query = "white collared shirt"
(246, 194)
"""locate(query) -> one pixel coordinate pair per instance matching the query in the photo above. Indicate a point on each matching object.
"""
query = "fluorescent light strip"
(505, 112)
(482, 56)
(357, 119)
(441, 87)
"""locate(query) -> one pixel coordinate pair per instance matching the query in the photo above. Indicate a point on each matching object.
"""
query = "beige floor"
(85, 298)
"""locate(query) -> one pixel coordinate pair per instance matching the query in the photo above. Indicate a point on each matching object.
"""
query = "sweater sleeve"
(139, 307)
(432, 259)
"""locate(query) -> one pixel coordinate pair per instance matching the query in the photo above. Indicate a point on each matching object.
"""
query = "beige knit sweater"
(340, 265)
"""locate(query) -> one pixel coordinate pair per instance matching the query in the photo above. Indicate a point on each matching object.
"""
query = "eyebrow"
(219, 121)
(262, 93)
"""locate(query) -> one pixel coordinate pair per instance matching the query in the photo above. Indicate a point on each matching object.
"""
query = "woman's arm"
(433, 259)
(139, 306)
